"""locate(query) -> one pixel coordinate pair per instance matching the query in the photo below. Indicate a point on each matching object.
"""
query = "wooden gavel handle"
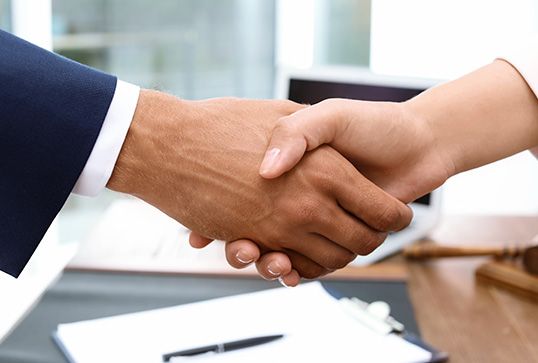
(431, 250)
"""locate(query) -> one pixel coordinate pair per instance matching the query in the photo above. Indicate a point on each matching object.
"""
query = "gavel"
(529, 254)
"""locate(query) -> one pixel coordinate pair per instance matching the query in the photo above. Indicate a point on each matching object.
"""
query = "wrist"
(133, 167)
(123, 175)
(423, 117)
(428, 164)
(480, 118)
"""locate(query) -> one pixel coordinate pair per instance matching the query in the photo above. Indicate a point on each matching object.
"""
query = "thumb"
(293, 135)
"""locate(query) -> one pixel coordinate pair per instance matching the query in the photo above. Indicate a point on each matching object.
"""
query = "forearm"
(482, 117)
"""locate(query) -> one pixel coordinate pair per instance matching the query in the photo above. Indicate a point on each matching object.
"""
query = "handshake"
(302, 191)
(303, 210)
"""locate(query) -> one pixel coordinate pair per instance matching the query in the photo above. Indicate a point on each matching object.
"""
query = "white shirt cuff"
(107, 148)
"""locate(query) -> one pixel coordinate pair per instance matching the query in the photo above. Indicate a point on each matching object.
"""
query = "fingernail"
(274, 269)
(281, 280)
(244, 258)
(269, 160)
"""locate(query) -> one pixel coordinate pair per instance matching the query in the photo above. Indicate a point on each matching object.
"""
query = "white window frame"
(32, 21)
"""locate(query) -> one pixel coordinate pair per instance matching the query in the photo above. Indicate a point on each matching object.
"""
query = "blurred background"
(207, 48)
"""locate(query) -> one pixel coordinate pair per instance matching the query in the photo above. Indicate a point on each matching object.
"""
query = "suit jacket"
(51, 112)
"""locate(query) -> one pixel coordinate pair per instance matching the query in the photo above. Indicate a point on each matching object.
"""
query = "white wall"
(445, 39)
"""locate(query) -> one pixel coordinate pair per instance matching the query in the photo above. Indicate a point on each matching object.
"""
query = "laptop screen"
(313, 91)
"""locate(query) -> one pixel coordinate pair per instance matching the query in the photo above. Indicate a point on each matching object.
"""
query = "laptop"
(316, 84)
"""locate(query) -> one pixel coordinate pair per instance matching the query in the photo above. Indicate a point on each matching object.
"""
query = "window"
(342, 33)
(323, 32)
(191, 48)
(5, 15)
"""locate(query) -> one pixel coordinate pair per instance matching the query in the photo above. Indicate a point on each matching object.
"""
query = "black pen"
(223, 347)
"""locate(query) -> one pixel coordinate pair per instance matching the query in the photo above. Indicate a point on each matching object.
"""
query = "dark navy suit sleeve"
(51, 112)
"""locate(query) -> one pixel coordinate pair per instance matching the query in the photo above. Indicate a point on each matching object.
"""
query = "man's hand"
(383, 140)
(198, 162)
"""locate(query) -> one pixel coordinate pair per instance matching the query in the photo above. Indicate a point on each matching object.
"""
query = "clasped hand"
(335, 176)
(394, 169)
(198, 161)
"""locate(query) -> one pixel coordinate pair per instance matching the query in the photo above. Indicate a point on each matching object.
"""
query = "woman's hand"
(387, 142)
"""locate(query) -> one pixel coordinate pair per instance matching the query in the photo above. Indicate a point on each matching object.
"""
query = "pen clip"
(191, 358)
(381, 323)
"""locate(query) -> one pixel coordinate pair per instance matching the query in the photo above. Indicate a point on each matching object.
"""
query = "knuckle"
(340, 260)
(290, 106)
(352, 235)
(332, 102)
(288, 128)
(357, 236)
(283, 128)
(313, 272)
(369, 243)
(308, 211)
(389, 217)
(407, 217)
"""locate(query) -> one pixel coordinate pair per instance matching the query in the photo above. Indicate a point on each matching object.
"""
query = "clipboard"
(301, 306)
(437, 356)
(107, 294)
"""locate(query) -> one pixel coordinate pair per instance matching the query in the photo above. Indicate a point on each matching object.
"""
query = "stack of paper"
(316, 329)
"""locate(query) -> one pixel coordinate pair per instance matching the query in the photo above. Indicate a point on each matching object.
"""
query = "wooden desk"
(474, 321)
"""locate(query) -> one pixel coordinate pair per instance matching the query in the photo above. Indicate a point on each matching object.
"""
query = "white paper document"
(316, 329)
